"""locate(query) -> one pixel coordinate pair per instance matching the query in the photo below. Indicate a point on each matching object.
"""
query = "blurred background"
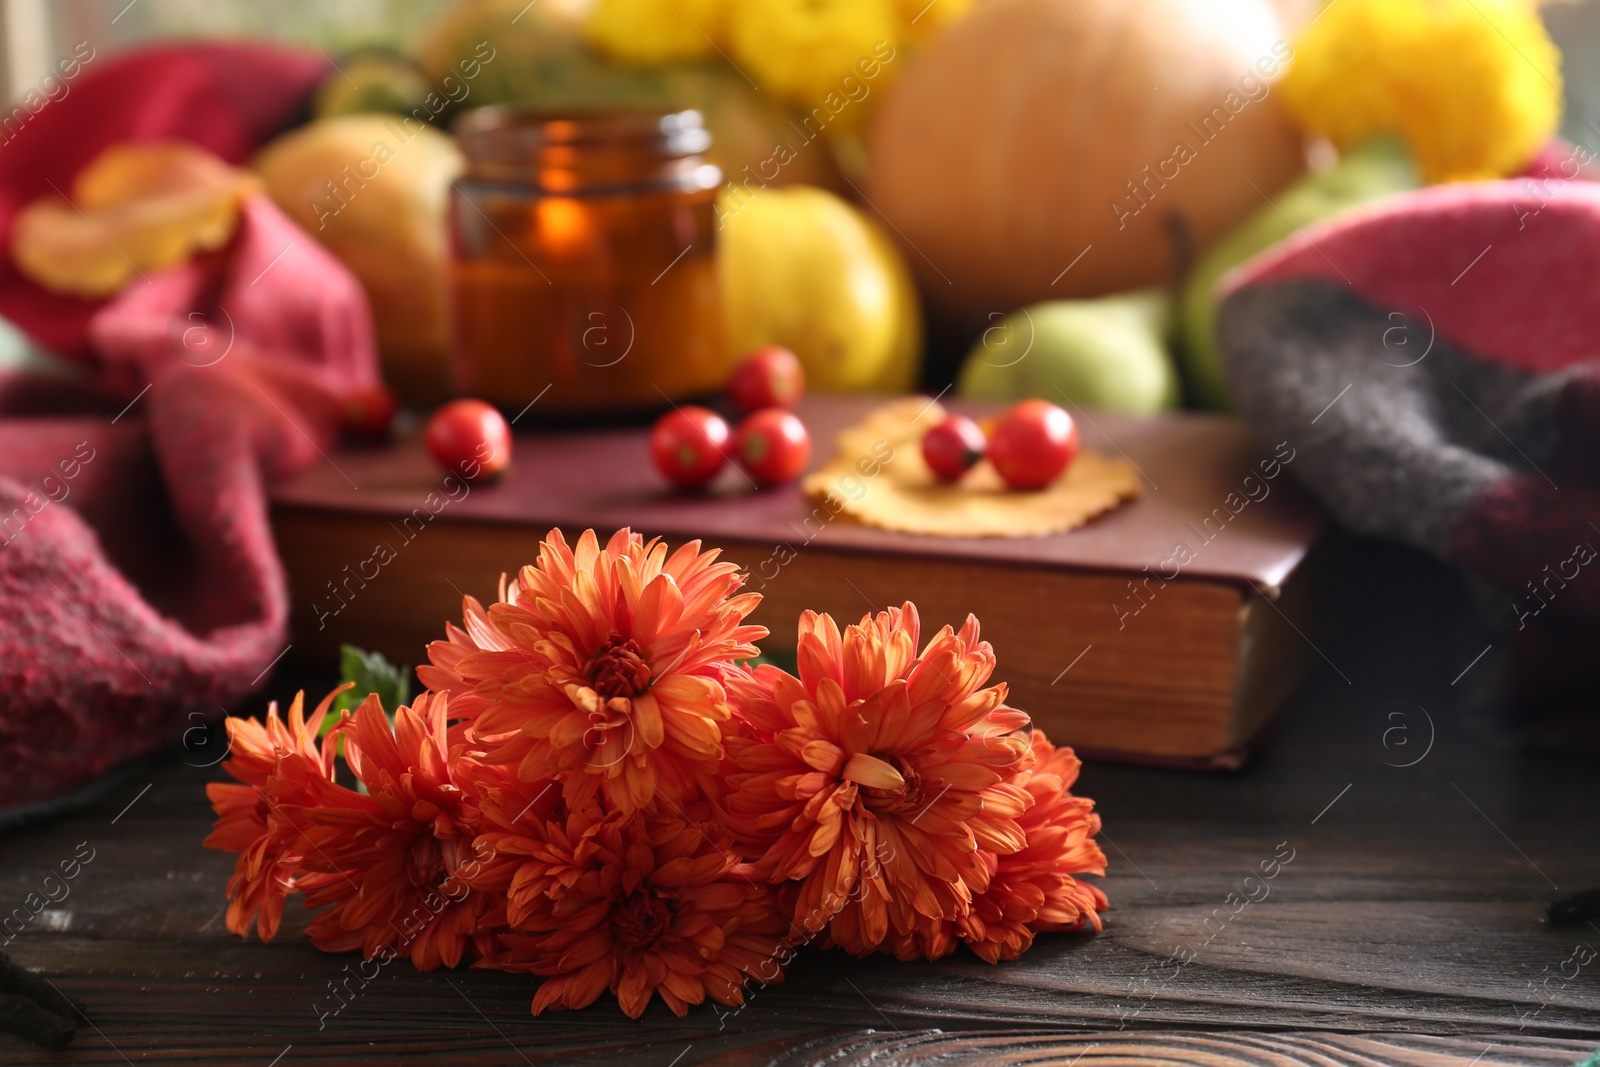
(35, 31)
(891, 162)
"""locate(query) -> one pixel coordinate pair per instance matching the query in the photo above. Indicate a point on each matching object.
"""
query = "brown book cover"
(1167, 630)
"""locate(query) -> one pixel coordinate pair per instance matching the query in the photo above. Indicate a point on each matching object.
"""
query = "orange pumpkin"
(1043, 148)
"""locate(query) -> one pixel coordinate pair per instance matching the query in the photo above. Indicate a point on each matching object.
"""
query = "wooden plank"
(1196, 1049)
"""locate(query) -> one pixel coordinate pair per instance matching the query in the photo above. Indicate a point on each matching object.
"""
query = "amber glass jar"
(584, 260)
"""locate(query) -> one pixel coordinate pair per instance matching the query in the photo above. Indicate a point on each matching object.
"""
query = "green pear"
(1109, 353)
(1376, 169)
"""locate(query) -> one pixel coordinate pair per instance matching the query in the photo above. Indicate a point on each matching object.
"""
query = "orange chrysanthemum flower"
(1032, 890)
(605, 664)
(518, 860)
(391, 867)
(597, 792)
(878, 777)
(273, 760)
(643, 905)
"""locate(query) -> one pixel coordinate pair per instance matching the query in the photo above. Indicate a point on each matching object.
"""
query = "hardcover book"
(1167, 630)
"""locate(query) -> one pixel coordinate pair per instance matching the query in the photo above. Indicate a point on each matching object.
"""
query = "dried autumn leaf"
(904, 495)
(135, 208)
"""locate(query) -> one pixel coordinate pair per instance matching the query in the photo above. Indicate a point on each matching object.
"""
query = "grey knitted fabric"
(1397, 430)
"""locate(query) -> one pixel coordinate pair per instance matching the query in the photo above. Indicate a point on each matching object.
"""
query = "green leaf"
(371, 673)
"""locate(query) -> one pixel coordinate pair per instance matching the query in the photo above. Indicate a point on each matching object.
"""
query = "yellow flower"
(1473, 86)
(652, 32)
(803, 50)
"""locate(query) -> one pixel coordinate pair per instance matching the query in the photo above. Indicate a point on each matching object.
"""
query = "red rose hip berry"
(772, 446)
(951, 448)
(688, 445)
(367, 414)
(1032, 444)
(470, 438)
(769, 377)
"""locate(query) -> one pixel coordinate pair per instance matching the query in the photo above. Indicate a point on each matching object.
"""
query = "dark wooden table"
(1407, 928)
